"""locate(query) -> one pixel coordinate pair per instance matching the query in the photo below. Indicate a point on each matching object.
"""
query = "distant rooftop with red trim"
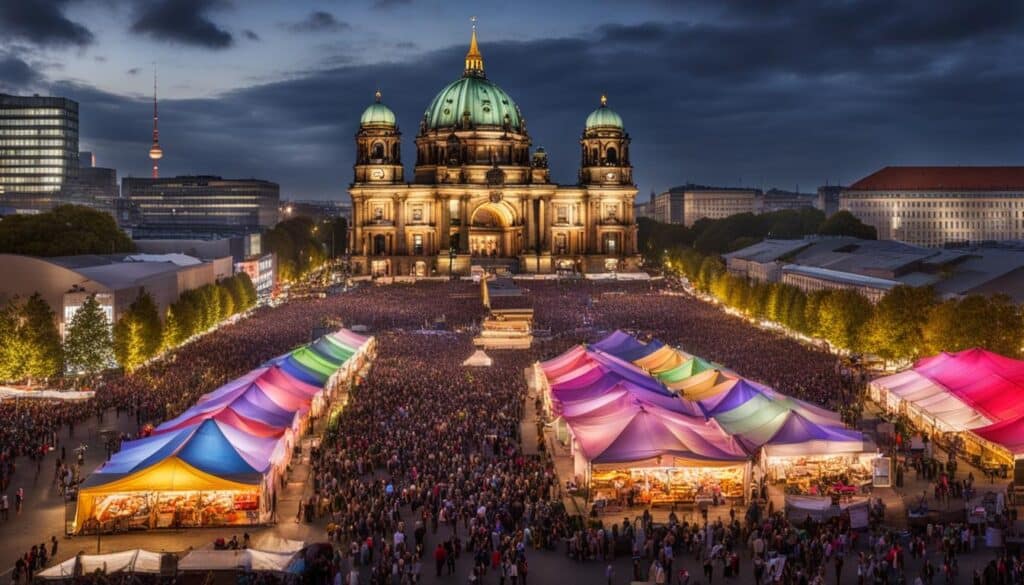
(943, 179)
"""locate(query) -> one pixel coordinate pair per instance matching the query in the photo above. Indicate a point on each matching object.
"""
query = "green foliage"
(45, 357)
(128, 342)
(66, 230)
(896, 330)
(994, 323)
(295, 243)
(171, 334)
(844, 223)
(842, 315)
(138, 334)
(88, 346)
(333, 235)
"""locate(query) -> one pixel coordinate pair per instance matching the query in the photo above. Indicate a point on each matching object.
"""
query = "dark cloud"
(386, 4)
(754, 95)
(318, 21)
(185, 22)
(15, 73)
(133, 71)
(41, 22)
(250, 35)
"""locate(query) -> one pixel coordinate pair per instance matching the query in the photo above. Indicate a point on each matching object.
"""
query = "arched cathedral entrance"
(493, 233)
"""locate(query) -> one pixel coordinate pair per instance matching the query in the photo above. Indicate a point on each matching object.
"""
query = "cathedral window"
(612, 156)
(378, 151)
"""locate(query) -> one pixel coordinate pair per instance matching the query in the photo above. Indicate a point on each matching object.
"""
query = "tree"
(844, 223)
(992, 323)
(12, 344)
(147, 316)
(896, 329)
(226, 303)
(842, 316)
(171, 335)
(64, 231)
(248, 290)
(128, 342)
(88, 346)
(39, 332)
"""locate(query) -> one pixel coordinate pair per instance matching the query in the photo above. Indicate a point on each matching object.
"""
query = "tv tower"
(155, 153)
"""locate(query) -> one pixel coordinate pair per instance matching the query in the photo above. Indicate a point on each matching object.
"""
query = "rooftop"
(943, 179)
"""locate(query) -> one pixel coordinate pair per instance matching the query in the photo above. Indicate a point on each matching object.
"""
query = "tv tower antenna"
(155, 152)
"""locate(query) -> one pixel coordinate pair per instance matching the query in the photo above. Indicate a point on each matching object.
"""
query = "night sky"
(762, 93)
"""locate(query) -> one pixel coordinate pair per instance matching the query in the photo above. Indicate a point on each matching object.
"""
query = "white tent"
(927, 400)
(128, 561)
(230, 560)
(479, 359)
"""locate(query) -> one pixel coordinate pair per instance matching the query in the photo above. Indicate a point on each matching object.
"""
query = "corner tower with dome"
(480, 197)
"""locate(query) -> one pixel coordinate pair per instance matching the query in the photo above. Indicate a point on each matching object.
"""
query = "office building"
(317, 210)
(644, 209)
(94, 186)
(701, 202)
(667, 206)
(936, 206)
(38, 151)
(778, 200)
(828, 199)
(874, 267)
(199, 207)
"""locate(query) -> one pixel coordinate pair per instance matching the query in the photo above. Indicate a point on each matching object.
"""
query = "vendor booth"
(217, 463)
(192, 477)
(974, 397)
(136, 561)
(643, 453)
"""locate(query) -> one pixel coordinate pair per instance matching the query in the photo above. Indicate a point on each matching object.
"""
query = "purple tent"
(645, 435)
(572, 403)
(617, 342)
(798, 436)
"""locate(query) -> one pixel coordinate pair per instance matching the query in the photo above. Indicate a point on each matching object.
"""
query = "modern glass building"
(38, 150)
(198, 206)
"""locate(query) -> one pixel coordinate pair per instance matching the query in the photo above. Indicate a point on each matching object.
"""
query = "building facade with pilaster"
(479, 195)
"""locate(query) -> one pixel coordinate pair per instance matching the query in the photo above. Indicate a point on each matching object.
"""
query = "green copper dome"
(377, 114)
(486, 103)
(604, 117)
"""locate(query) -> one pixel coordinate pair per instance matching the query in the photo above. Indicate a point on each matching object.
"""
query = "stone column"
(357, 218)
(446, 226)
(585, 217)
(400, 223)
(595, 217)
(549, 214)
(464, 224)
(531, 224)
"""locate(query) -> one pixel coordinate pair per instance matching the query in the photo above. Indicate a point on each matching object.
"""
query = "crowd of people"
(427, 462)
(426, 471)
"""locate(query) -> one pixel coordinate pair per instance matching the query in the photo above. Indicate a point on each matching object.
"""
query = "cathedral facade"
(480, 197)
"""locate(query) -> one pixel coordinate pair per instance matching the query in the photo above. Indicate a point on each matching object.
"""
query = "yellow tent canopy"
(664, 359)
(169, 475)
(704, 385)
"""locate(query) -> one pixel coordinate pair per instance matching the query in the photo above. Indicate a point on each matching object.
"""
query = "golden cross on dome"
(473, 20)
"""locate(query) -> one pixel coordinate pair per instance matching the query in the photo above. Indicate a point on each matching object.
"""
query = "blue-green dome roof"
(377, 115)
(487, 104)
(604, 117)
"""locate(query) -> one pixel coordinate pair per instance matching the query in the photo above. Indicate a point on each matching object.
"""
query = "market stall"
(193, 477)
(136, 561)
(643, 453)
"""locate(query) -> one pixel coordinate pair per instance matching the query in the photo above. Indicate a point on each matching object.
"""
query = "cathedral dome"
(377, 114)
(604, 117)
(473, 99)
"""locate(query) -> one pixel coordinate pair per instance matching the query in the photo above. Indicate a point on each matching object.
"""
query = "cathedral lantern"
(378, 145)
(605, 149)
